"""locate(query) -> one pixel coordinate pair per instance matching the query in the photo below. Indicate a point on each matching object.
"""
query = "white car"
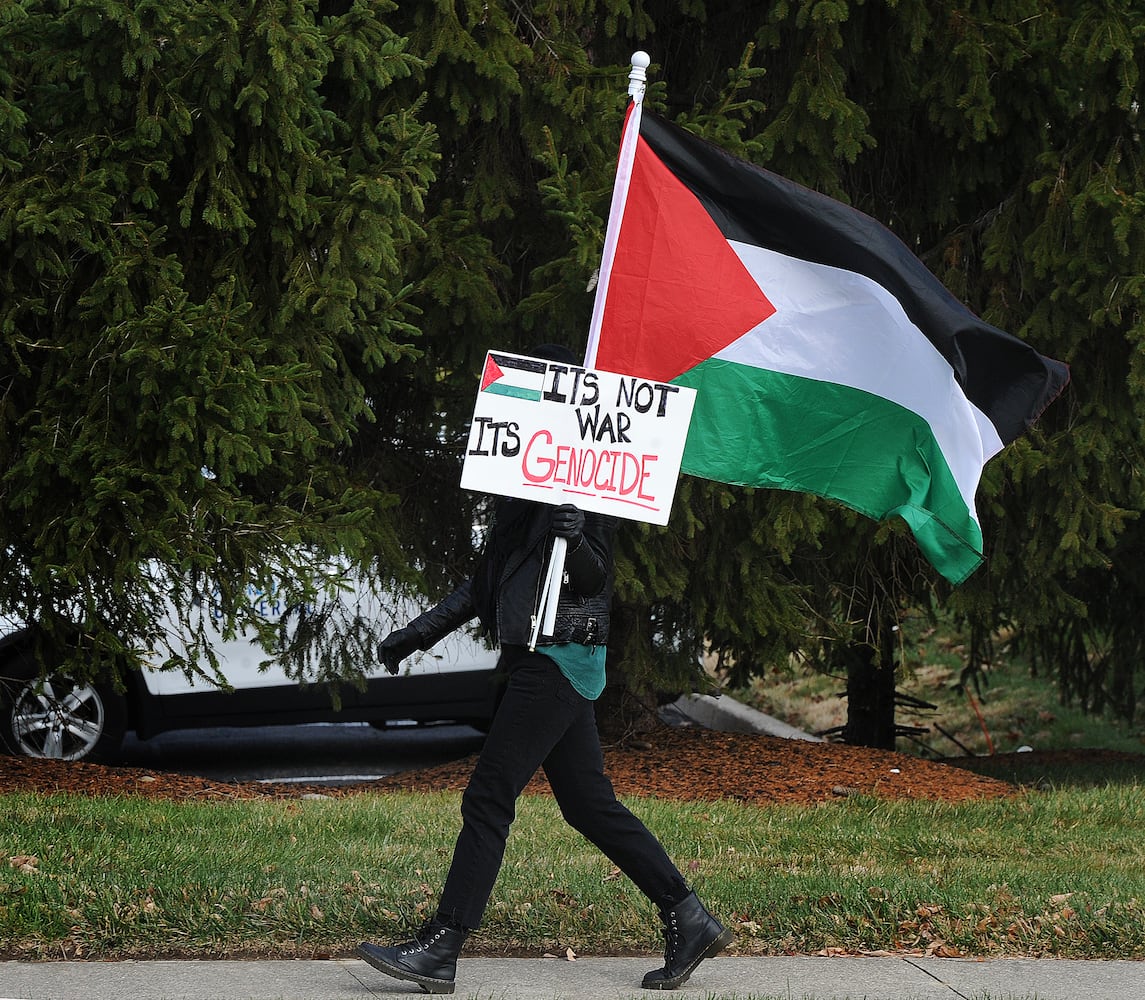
(57, 717)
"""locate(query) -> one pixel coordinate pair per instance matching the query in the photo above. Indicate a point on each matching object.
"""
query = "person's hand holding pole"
(568, 523)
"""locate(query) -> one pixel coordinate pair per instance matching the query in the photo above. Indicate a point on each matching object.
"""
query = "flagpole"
(636, 86)
(553, 585)
(545, 618)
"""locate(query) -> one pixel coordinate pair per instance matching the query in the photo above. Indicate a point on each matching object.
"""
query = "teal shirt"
(582, 665)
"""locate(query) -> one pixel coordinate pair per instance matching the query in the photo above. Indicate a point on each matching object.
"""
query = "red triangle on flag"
(491, 374)
(677, 293)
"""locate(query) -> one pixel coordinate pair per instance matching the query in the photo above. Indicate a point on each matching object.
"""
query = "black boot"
(691, 934)
(430, 959)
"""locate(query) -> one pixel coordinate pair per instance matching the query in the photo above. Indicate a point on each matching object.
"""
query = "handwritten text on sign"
(559, 433)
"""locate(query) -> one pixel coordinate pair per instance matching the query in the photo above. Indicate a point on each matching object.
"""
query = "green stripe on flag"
(516, 391)
(755, 427)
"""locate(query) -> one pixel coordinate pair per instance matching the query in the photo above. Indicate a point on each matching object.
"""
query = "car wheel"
(58, 717)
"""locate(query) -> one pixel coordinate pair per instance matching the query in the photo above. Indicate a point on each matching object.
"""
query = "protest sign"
(560, 433)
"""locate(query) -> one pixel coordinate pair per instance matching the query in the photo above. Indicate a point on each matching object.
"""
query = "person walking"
(544, 719)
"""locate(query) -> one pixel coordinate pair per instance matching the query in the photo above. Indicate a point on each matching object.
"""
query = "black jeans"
(542, 721)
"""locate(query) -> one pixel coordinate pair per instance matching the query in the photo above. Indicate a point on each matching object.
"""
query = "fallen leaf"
(941, 949)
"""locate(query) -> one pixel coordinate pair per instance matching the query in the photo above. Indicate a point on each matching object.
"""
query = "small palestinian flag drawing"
(508, 375)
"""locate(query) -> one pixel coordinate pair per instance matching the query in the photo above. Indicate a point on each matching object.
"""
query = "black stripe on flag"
(521, 364)
(1003, 376)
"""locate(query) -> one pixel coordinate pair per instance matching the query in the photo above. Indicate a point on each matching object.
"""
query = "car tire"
(58, 717)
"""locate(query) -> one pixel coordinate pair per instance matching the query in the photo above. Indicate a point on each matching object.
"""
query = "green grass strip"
(1059, 873)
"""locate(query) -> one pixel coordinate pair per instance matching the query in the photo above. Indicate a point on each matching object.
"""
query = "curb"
(724, 714)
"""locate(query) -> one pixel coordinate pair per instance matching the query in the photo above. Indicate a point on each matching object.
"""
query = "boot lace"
(671, 931)
(424, 939)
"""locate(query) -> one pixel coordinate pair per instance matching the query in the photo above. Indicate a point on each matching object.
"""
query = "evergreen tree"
(210, 261)
(1064, 263)
(204, 206)
(1000, 141)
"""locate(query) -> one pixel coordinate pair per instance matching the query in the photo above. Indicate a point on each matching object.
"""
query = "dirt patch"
(667, 762)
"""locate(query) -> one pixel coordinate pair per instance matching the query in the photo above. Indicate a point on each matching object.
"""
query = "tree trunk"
(871, 695)
(629, 706)
(622, 716)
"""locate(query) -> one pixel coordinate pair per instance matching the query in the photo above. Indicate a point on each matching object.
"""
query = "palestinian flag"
(506, 375)
(826, 357)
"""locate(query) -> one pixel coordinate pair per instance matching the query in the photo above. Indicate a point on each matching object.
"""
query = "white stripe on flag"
(836, 326)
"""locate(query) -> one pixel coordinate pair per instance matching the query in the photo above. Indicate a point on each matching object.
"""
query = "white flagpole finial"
(637, 77)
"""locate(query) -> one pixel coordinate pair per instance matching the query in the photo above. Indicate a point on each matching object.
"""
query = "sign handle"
(545, 620)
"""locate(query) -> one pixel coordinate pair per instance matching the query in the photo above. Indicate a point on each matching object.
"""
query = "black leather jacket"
(585, 596)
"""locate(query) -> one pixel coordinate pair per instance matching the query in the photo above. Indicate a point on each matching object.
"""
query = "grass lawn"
(1046, 873)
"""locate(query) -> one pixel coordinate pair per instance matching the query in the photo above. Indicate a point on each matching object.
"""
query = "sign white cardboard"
(559, 433)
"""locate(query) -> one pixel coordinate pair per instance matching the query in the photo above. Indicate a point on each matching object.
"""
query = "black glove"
(568, 522)
(396, 646)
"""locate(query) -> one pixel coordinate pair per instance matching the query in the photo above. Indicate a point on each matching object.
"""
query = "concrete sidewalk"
(799, 978)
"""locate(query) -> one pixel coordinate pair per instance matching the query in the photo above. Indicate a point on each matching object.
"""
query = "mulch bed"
(667, 762)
